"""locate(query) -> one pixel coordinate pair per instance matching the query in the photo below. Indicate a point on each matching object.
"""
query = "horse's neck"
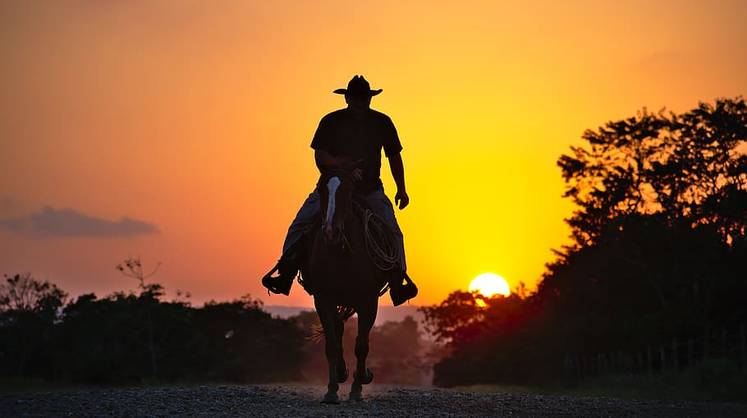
(351, 220)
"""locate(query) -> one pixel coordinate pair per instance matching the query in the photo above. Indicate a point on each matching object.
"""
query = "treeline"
(132, 338)
(139, 337)
(659, 254)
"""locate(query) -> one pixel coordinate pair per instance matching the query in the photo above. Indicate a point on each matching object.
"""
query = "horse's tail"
(343, 314)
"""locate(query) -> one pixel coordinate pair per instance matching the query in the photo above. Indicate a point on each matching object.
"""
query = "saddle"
(380, 244)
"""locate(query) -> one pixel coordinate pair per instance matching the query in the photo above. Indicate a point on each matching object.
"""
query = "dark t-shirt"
(362, 136)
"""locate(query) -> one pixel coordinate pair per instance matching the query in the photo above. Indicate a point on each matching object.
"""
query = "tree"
(456, 319)
(656, 193)
(132, 338)
(658, 253)
(29, 310)
(23, 293)
(149, 295)
(689, 167)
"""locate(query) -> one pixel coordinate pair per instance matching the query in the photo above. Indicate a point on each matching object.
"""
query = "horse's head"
(336, 192)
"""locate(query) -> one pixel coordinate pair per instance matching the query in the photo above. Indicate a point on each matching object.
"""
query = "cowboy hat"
(358, 86)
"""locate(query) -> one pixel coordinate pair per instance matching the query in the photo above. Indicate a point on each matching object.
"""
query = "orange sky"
(196, 117)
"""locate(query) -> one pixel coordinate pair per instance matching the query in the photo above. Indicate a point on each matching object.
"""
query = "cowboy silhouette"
(352, 139)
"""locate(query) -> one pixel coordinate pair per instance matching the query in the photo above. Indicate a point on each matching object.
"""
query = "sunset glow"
(185, 126)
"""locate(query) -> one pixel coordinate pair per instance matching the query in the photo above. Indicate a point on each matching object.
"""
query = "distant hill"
(386, 313)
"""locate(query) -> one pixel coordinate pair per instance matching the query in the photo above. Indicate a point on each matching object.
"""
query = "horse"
(343, 280)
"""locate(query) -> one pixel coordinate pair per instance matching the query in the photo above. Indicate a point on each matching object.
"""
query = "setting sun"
(489, 284)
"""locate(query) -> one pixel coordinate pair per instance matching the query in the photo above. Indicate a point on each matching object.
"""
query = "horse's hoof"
(331, 398)
(365, 379)
(356, 395)
(342, 373)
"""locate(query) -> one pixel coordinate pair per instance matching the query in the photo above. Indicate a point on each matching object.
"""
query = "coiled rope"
(381, 243)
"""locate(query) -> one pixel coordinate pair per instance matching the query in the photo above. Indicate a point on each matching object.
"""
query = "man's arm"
(325, 161)
(401, 199)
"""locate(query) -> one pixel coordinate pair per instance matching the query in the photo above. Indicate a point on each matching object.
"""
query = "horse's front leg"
(342, 369)
(328, 316)
(366, 318)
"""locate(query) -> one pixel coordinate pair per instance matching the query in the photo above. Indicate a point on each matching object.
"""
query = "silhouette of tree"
(22, 293)
(690, 168)
(29, 310)
(662, 202)
(119, 338)
(457, 318)
(487, 339)
(149, 295)
(658, 253)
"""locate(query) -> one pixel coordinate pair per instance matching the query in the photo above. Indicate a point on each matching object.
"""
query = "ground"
(303, 401)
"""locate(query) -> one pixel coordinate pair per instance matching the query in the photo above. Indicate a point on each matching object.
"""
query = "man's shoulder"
(336, 114)
(343, 114)
(380, 116)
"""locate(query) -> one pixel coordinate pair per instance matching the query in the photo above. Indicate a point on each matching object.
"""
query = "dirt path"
(303, 401)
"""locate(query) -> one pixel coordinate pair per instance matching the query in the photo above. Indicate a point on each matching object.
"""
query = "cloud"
(50, 222)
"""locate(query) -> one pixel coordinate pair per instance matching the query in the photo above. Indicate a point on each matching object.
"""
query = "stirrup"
(401, 293)
(280, 284)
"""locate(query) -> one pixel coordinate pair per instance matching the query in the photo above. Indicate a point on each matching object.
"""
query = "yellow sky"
(196, 117)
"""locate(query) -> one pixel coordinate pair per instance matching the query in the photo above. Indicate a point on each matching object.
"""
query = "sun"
(489, 284)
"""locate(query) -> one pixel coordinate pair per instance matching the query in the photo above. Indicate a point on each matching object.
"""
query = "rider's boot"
(282, 282)
(402, 288)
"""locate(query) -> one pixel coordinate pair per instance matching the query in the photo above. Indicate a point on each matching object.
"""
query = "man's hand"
(355, 167)
(401, 199)
(325, 161)
(347, 163)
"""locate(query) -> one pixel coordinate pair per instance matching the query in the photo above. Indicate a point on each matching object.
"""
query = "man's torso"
(359, 136)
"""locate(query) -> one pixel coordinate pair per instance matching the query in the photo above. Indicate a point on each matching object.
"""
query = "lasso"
(381, 244)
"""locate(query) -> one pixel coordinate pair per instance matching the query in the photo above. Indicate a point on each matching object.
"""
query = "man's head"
(359, 93)
(358, 102)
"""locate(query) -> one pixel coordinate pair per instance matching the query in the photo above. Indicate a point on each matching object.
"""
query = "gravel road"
(303, 401)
